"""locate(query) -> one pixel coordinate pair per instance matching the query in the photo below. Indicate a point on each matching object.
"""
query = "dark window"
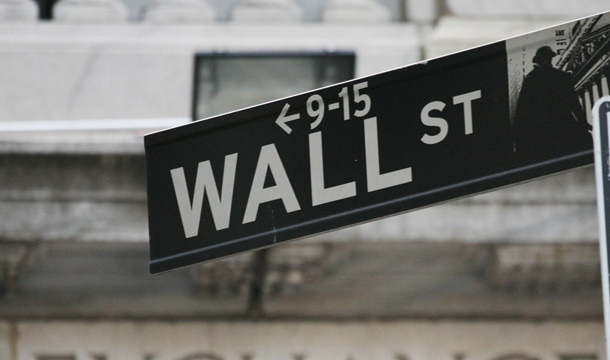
(229, 81)
(45, 9)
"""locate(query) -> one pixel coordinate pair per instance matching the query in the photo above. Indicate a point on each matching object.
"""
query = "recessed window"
(226, 82)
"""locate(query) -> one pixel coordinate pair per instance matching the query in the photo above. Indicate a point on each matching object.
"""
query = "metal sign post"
(376, 146)
(601, 130)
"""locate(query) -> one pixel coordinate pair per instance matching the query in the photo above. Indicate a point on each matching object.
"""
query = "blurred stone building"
(508, 275)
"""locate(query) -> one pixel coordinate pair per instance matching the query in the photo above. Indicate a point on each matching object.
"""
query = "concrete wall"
(417, 340)
(65, 71)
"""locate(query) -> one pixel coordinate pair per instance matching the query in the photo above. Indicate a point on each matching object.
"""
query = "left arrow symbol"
(283, 119)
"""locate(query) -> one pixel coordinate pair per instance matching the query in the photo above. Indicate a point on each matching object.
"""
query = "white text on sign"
(270, 162)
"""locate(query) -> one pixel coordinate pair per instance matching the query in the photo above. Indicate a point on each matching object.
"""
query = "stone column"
(588, 105)
(605, 88)
(600, 89)
(179, 12)
(90, 11)
(266, 11)
(595, 89)
(606, 74)
(421, 11)
(355, 11)
(18, 10)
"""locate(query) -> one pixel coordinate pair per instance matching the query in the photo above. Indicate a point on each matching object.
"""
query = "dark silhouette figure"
(549, 120)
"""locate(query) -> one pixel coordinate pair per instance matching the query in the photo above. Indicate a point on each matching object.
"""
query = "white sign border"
(602, 206)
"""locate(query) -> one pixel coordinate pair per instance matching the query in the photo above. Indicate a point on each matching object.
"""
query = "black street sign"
(601, 115)
(376, 146)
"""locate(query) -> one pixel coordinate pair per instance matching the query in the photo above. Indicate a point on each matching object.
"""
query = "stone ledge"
(538, 9)
(81, 137)
(102, 197)
(453, 34)
(414, 339)
(114, 221)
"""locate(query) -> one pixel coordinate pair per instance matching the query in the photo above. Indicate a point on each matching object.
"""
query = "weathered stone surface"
(178, 12)
(77, 214)
(386, 280)
(355, 11)
(274, 11)
(323, 280)
(76, 279)
(422, 11)
(527, 8)
(18, 10)
(5, 340)
(102, 197)
(489, 223)
(369, 340)
(90, 11)
(74, 197)
(454, 34)
(68, 71)
(74, 142)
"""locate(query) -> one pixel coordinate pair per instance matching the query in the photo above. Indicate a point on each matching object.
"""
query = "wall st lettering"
(271, 162)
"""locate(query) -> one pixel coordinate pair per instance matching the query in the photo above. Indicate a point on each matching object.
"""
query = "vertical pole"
(257, 287)
(601, 135)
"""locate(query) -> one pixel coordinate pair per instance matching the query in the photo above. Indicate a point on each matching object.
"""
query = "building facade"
(513, 274)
